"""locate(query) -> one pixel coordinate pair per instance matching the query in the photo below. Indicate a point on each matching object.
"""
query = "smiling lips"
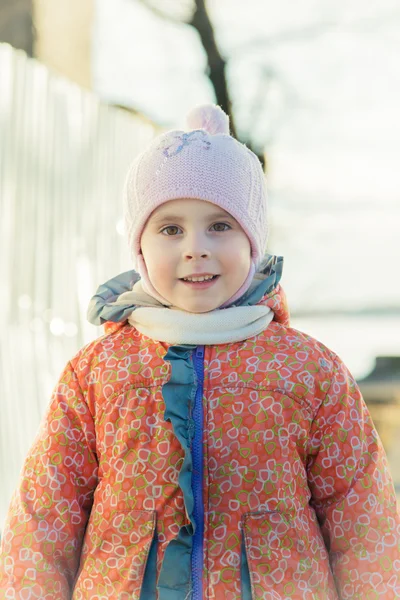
(199, 277)
(200, 281)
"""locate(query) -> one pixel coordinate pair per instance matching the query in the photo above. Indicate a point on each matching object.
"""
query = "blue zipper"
(197, 478)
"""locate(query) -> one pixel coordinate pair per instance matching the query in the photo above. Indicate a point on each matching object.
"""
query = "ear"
(141, 258)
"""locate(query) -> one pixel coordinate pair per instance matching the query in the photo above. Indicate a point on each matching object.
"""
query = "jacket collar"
(116, 299)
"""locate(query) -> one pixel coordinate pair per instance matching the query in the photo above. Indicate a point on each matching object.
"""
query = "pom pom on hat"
(209, 117)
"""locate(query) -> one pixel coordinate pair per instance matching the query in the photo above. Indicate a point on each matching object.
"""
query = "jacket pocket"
(114, 554)
(282, 562)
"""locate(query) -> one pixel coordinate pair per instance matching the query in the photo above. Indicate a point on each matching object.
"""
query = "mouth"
(200, 285)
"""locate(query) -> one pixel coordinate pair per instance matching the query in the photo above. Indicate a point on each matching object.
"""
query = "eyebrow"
(174, 217)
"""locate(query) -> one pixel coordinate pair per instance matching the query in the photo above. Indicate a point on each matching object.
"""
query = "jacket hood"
(114, 301)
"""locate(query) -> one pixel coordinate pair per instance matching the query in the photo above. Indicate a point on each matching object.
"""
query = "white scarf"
(174, 326)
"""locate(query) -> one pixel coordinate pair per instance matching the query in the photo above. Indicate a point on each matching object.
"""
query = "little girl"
(202, 448)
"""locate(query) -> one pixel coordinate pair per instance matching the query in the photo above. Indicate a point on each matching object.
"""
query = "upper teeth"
(206, 278)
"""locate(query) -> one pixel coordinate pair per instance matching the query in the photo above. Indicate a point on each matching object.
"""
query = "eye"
(221, 226)
(174, 228)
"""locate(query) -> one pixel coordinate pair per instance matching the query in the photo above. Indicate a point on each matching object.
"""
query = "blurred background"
(312, 87)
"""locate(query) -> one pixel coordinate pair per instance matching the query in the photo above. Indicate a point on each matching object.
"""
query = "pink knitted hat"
(205, 163)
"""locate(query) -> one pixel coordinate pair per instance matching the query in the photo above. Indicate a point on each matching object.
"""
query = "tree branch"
(161, 14)
(216, 63)
(312, 31)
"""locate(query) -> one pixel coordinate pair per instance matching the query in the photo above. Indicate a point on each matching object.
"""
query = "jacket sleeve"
(42, 538)
(353, 494)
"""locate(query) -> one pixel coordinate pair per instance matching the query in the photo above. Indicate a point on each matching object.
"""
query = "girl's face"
(193, 238)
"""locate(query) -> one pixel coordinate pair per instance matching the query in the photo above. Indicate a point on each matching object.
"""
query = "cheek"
(240, 253)
(151, 252)
(159, 268)
(155, 265)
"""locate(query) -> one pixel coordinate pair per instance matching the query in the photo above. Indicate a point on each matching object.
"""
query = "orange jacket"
(290, 497)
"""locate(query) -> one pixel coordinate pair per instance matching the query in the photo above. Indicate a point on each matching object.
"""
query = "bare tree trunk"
(16, 24)
(216, 64)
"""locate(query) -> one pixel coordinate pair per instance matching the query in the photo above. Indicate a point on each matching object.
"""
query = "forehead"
(186, 208)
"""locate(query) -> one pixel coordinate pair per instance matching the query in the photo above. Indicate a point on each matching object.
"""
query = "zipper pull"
(200, 351)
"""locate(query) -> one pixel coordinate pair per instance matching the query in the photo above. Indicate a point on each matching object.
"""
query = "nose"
(196, 255)
(196, 248)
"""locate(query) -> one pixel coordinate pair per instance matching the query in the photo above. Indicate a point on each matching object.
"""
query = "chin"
(198, 308)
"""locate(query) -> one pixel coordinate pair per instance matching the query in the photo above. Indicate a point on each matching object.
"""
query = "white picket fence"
(63, 160)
